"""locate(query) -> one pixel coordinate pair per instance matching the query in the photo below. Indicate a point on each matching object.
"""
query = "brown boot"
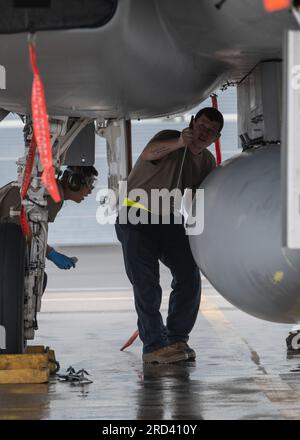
(165, 355)
(185, 347)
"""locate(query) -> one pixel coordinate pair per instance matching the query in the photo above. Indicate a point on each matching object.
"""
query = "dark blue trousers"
(143, 246)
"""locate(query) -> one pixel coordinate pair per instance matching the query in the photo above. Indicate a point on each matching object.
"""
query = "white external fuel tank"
(240, 250)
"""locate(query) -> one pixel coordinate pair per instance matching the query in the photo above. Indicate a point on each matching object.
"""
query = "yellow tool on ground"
(34, 366)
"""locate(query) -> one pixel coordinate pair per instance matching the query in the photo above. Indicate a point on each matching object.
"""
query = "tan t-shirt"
(165, 173)
(10, 197)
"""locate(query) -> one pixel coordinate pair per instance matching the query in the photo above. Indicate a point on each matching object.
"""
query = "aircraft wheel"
(293, 342)
(12, 268)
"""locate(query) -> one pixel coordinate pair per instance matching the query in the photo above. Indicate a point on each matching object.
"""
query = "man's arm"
(160, 146)
(60, 260)
(167, 141)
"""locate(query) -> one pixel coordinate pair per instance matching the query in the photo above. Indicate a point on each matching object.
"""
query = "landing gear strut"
(22, 263)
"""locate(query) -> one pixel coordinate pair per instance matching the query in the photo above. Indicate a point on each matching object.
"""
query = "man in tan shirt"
(171, 160)
(75, 184)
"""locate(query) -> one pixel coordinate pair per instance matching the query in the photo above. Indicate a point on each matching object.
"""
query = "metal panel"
(271, 81)
(82, 149)
(2, 78)
(291, 144)
(259, 103)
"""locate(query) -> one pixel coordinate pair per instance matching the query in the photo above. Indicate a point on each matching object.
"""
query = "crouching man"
(76, 183)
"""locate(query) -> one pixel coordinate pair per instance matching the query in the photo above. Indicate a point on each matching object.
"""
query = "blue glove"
(60, 260)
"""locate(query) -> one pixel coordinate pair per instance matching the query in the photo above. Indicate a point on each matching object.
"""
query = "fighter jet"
(103, 63)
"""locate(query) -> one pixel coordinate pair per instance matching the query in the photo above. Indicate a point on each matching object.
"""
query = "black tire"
(12, 270)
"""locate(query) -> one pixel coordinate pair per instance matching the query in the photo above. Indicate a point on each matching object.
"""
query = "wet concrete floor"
(242, 370)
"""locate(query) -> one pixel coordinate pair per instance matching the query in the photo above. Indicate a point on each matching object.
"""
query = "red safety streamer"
(214, 102)
(130, 340)
(276, 5)
(24, 223)
(41, 128)
(25, 185)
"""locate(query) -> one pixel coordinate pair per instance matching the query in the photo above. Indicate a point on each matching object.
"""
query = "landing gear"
(12, 264)
(117, 133)
(293, 342)
(22, 263)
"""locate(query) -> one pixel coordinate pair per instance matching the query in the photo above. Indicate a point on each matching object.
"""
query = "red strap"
(40, 139)
(130, 340)
(214, 101)
(24, 223)
(41, 128)
(276, 5)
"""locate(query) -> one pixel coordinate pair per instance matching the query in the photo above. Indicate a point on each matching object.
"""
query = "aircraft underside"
(152, 57)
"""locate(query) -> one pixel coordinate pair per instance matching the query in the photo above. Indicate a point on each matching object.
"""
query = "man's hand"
(61, 260)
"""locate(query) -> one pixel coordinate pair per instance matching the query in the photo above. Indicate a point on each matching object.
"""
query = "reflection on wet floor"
(169, 384)
(27, 402)
(242, 370)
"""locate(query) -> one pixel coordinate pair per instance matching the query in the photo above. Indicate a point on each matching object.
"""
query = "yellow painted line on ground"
(217, 319)
(285, 399)
(281, 395)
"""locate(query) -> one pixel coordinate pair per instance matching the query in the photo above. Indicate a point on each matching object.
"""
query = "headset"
(76, 179)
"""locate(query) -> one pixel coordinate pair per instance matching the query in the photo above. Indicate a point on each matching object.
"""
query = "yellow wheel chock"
(34, 366)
